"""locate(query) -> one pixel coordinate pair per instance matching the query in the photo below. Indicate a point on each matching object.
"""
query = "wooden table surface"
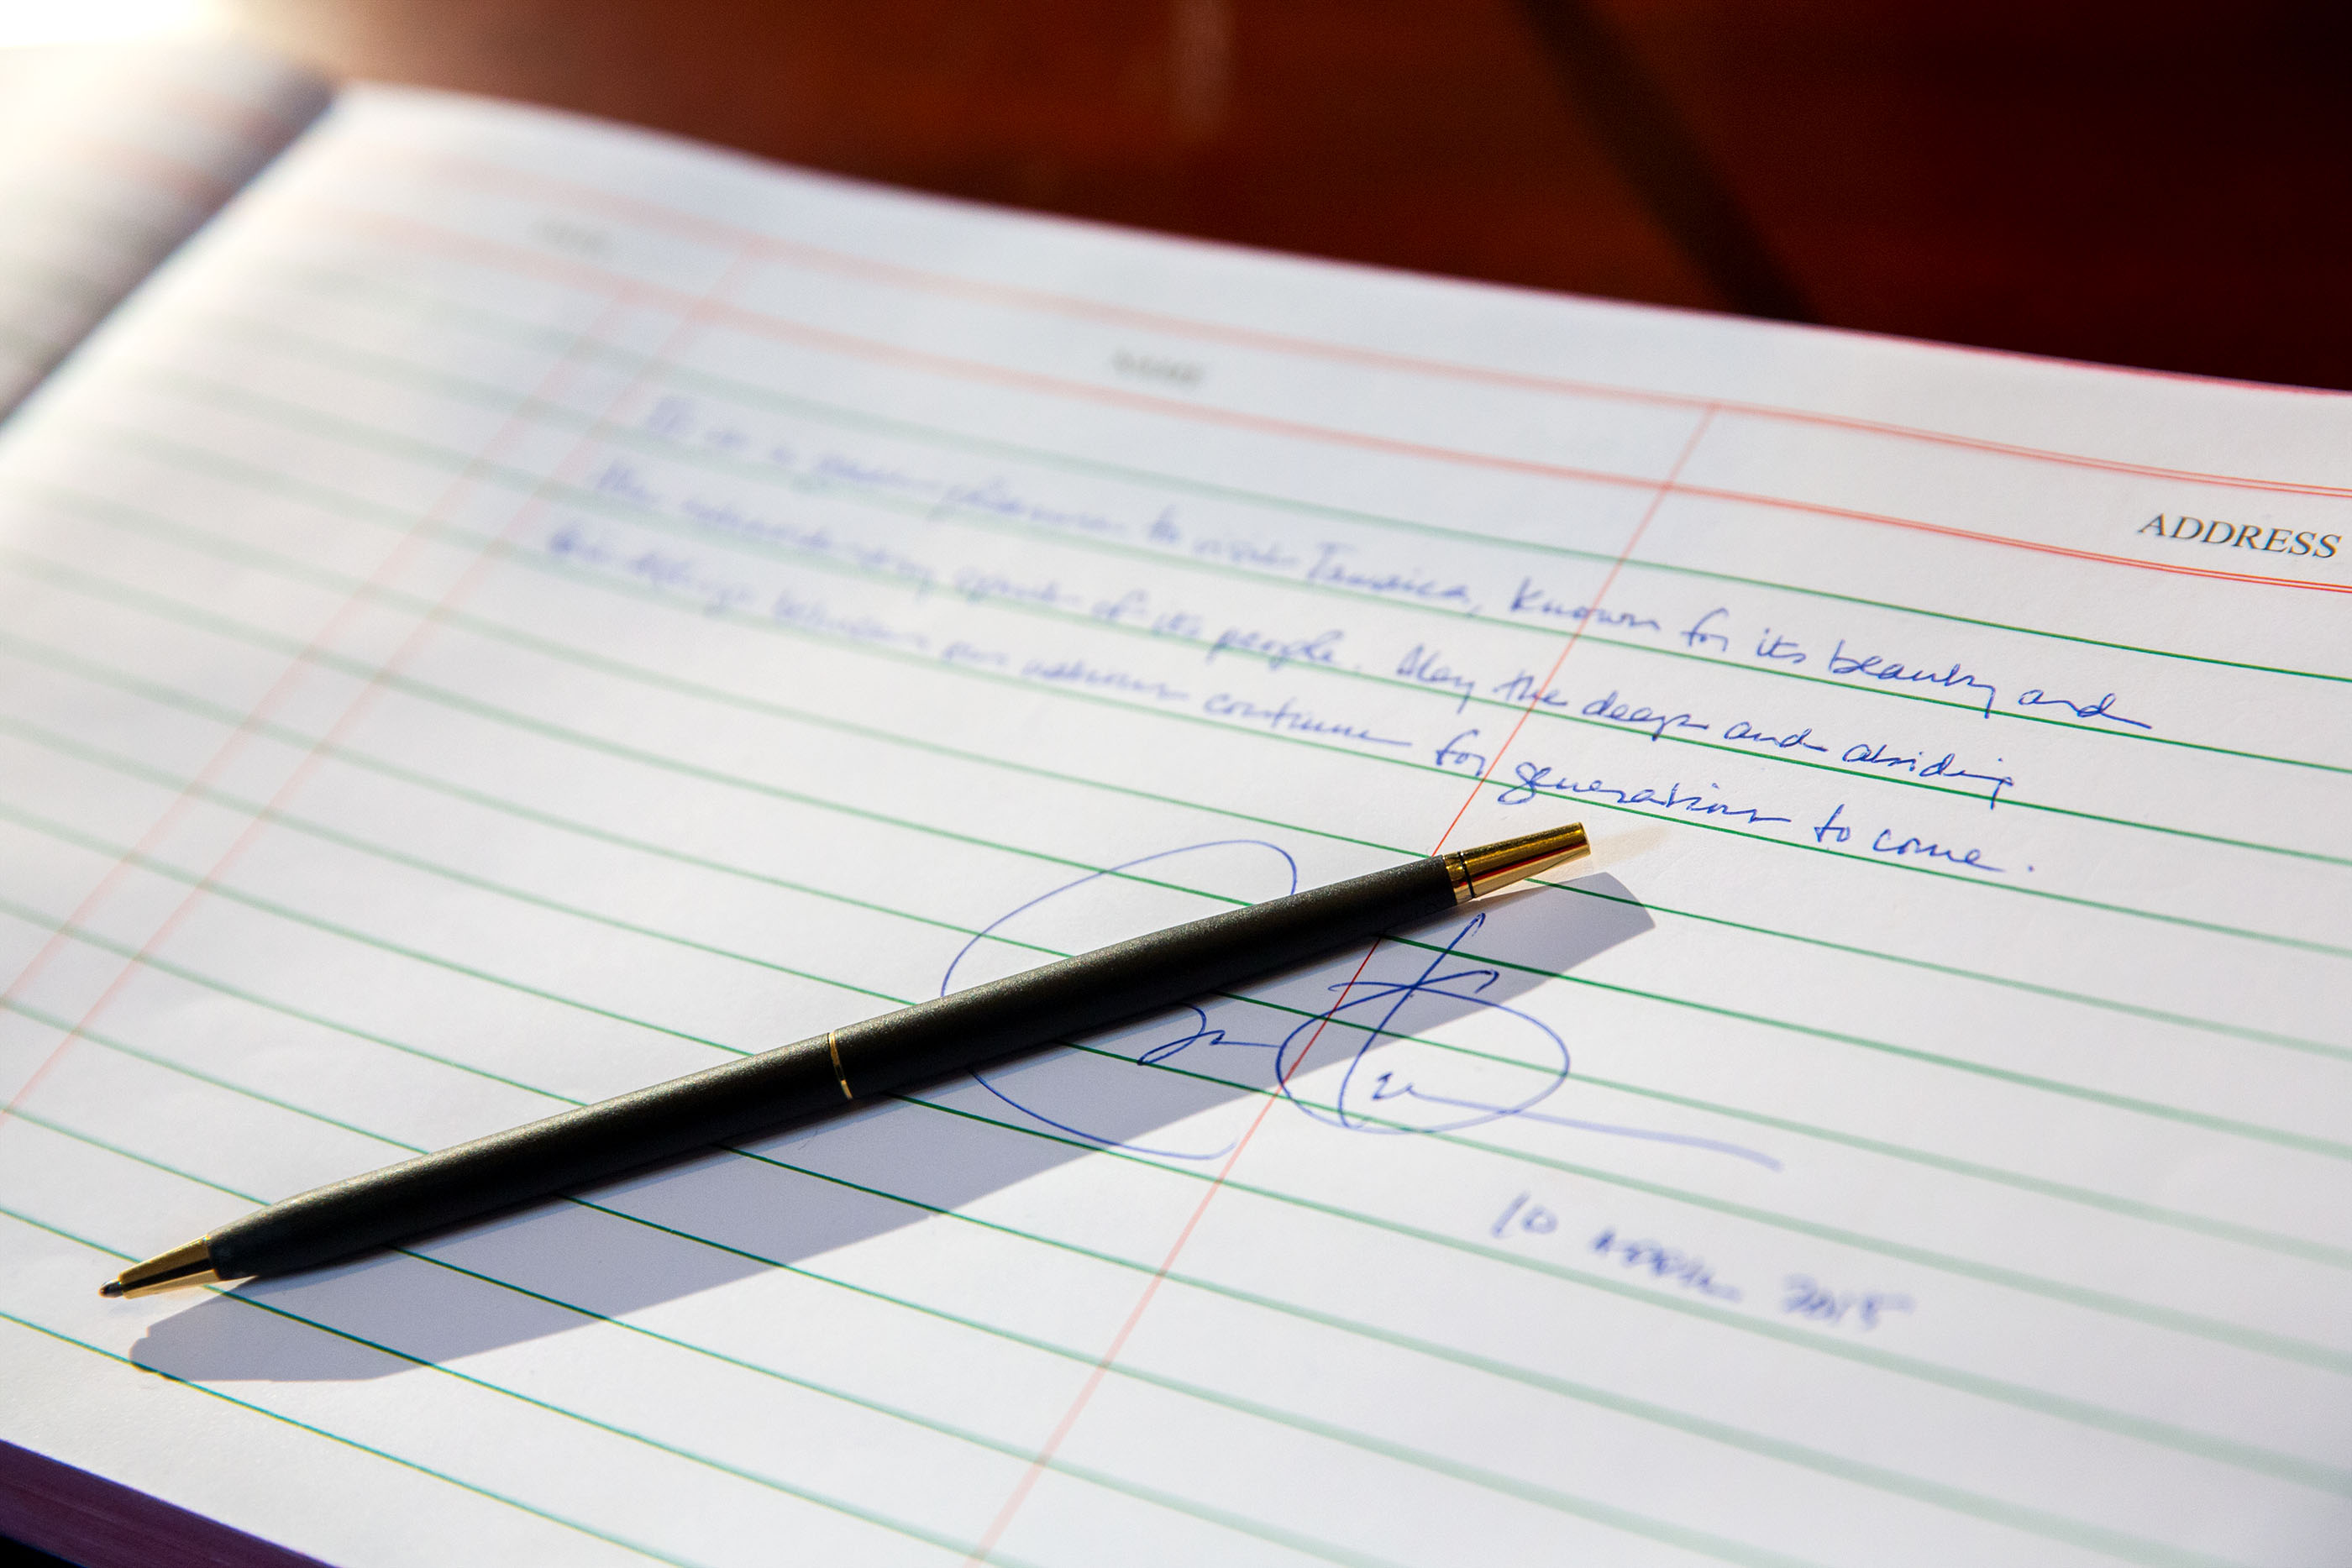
(2159, 184)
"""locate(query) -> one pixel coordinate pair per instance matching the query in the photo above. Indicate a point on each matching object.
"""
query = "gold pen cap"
(1491, 867)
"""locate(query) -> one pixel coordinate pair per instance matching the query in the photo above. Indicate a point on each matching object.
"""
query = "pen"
(825, 1071)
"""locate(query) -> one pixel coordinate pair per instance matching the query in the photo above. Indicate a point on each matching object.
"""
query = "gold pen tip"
(1490, 868)
(188, 1265)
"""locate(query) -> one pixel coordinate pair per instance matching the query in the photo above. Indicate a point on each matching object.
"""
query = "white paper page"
(110, 154)
(524, 609)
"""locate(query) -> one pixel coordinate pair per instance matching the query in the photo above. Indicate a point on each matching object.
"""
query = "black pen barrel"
(1131, 978)
(758, 1093)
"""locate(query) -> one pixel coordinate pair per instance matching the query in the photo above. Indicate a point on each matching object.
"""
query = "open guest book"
(518, 609)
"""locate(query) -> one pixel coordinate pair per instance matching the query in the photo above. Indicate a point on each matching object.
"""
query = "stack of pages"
(516, 609)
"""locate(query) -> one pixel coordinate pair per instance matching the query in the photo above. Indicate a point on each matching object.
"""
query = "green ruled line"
(2200, 1445)
(2271, 1241)
(385, 367)
(2197, 1325)
(803, 1494)
(2297, 1469)
(774, 791)
(2217, 1228)
(2280, 1137)
(163, 607)
(895, 739)
(421, 304)
(1552, 1498)
(583, 500)
(119, 680)
(1769, 1022)
(284, 413)
(2022, 1396)
(1911, 1487)
(317, 1431)
(722, 952)
(1365, 1442)
(1928, 966)
(1020, 1452)
(2113, 1304)
(2284, 1347)
(829, 489)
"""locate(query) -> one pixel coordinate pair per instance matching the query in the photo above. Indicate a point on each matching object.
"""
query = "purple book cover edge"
(93, 1522)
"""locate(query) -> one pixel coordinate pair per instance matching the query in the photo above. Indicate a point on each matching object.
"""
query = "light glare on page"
(28, 22)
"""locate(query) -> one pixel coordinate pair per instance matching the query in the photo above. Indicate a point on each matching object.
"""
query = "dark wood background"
(2167, 184)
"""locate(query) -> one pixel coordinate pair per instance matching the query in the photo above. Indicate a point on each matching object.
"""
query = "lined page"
(110, 154)
(523, 609)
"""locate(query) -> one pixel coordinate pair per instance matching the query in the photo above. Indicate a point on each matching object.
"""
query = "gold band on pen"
(833, 1044)
(1491, 867)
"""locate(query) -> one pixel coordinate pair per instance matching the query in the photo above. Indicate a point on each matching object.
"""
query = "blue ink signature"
(1393, 1082)
(1362, 1083)
(1201, 1034)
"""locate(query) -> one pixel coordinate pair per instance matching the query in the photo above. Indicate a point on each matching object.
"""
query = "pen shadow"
(1421, 1036)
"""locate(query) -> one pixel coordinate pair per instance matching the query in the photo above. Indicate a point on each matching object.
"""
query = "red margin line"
(823, 259)
(1062, 1430)
(509, 258)
(693, 315)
